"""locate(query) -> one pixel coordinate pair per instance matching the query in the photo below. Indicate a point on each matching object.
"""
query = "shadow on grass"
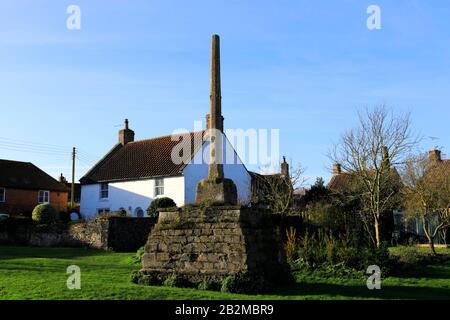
(16, 252)
(355, 292)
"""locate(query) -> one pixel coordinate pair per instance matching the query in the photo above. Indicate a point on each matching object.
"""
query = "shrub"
(209, 285)
(64, 217)
(158, 203)
(44, 213)
(322, 251)
(137, 258)
(244, 283)
(143, 278)
(291, 244)
(178, 281)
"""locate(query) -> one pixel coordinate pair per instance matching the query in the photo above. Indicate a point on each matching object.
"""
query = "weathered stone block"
(218, 190)
(212, 248)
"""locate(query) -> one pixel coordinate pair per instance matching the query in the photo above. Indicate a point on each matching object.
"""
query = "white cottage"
(133, 173)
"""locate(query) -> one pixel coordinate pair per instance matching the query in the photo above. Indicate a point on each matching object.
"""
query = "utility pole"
(72, 189)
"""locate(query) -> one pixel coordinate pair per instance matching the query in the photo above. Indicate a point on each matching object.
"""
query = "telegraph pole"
(72, 189)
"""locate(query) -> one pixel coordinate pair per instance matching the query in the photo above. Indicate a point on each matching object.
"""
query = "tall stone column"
(216, 188)
(215, 168)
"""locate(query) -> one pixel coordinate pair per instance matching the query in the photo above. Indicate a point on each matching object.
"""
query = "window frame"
(103, 211)
(159, 188)
(45, 194)
(102, 191)
(3, 199)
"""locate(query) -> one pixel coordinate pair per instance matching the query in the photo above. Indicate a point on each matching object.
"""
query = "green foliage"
(137, 258)
(158, 203)
(209, 285)
(44, 213)
(321, 251)
(177, 281)
(143, 278)
(291, 244)
(243, 282)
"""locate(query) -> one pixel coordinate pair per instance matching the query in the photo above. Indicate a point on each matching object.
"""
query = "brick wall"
(23, 201)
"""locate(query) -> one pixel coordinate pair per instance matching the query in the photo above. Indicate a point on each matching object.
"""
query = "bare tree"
(277, 190)
(369, 151)
(427, 195)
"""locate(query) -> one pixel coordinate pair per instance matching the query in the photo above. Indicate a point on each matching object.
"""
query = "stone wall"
(116, 233)
(213, 243)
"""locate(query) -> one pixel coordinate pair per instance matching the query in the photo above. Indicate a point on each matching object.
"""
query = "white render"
(134, 194)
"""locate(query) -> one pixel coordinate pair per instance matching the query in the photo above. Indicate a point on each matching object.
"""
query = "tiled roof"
(343, 182)
(142, 159)
(25, 175)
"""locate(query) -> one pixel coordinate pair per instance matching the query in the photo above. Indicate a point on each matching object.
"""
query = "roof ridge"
(17, 161)
(166, 136)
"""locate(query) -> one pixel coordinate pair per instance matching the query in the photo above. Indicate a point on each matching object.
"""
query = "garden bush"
(209, 285)
(321, 251)
(137, 258)
(159, 203)
(45, 213)
(177, 281)
(244, 283)
(143, 278)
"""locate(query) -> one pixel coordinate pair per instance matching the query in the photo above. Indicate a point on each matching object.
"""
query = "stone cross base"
(210, 244)
(221, 191)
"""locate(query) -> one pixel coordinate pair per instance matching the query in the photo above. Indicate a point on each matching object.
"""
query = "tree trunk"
(431, 243)
(377, 233)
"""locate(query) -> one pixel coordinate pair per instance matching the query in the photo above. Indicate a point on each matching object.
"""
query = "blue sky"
(301, 66)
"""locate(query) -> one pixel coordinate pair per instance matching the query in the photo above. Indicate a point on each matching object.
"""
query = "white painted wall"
(129, 195)
(197, 170)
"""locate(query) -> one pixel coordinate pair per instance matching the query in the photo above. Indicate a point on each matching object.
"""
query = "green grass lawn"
(40, 273)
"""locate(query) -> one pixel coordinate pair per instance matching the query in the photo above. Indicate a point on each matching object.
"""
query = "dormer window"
(104, 191)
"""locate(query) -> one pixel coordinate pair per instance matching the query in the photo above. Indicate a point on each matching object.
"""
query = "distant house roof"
(343, 182)
(25, 175)
(142, 159)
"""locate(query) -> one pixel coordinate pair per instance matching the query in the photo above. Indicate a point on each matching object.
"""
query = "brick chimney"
(62, 179)
(434, 155)
(284, 168)
(126, 135)
(337, 169)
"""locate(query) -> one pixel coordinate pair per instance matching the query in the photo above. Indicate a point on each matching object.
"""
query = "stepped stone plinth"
(212, 243)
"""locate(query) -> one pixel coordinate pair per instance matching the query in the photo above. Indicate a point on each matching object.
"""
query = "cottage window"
(2, 194)
(103, 210)
(104, 191)
(44, 196)
(159, 187)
